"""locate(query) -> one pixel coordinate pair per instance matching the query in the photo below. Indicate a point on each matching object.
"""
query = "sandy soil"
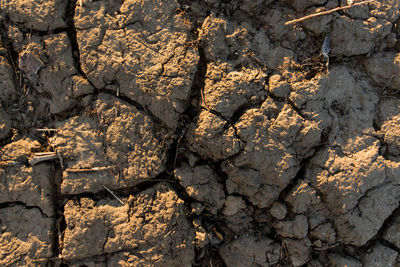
(199, 133)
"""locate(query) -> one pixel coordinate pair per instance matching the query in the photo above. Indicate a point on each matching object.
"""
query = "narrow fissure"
(130, 102)
(4, 205)
(58, 201)
(386, 224)
(72, 35)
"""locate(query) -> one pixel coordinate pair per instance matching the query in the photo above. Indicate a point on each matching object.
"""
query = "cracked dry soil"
(199, 133)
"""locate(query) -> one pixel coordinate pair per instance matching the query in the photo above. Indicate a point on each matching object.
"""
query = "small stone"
(277, 87)
(278, 210)
(233, 205)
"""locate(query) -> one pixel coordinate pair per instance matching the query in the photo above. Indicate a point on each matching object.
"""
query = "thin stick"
(386, 85)
(177, 146)
(327, 12)
(44, 156)
(44, 153)
(60, 159)
(111, 192)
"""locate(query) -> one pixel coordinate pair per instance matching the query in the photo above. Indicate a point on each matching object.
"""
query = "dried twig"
(177, 146)
(170, 232)
(328, 12)
(388, 82)
(60, 159)
(285, 250)
(111, 192)
(44, 153)
(161, 143)
(42, 156)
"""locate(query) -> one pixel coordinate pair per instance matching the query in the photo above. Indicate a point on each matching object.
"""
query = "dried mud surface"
(199, 133)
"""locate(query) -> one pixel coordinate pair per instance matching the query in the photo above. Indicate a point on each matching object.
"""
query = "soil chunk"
(26, 236)
(41, 15)
(30, 185)
(147, 227)
(116, 145)
(248, 250)
(147, 56)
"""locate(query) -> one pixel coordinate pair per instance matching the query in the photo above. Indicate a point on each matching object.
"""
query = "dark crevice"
(130, 102)
(216, 113)
(7, 139)
(105, 241)
(72, 35)
(217, 168)
(240, 111)
(66, 114)
(20, 203)
(208, 256)
(175, 158)
(386, 224)
(299, 175)
(365, 195)
(102, 194)
(59, 224)
(376, 124)
(275, 98)
(298, 111)
(12, 56)
(165, 177)
(189, 115)
(44, 33)
(287, 101)
(387, 244)
(97, 258)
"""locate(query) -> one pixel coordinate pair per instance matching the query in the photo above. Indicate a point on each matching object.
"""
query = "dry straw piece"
(42, 156)
(112, 193)
(328, 12)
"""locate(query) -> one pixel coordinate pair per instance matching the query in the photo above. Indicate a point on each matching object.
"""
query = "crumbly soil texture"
(199, 133)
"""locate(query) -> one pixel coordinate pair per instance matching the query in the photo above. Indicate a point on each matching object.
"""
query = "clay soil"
(199, 133)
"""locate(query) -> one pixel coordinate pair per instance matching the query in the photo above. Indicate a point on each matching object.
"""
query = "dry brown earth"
(199, 133)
